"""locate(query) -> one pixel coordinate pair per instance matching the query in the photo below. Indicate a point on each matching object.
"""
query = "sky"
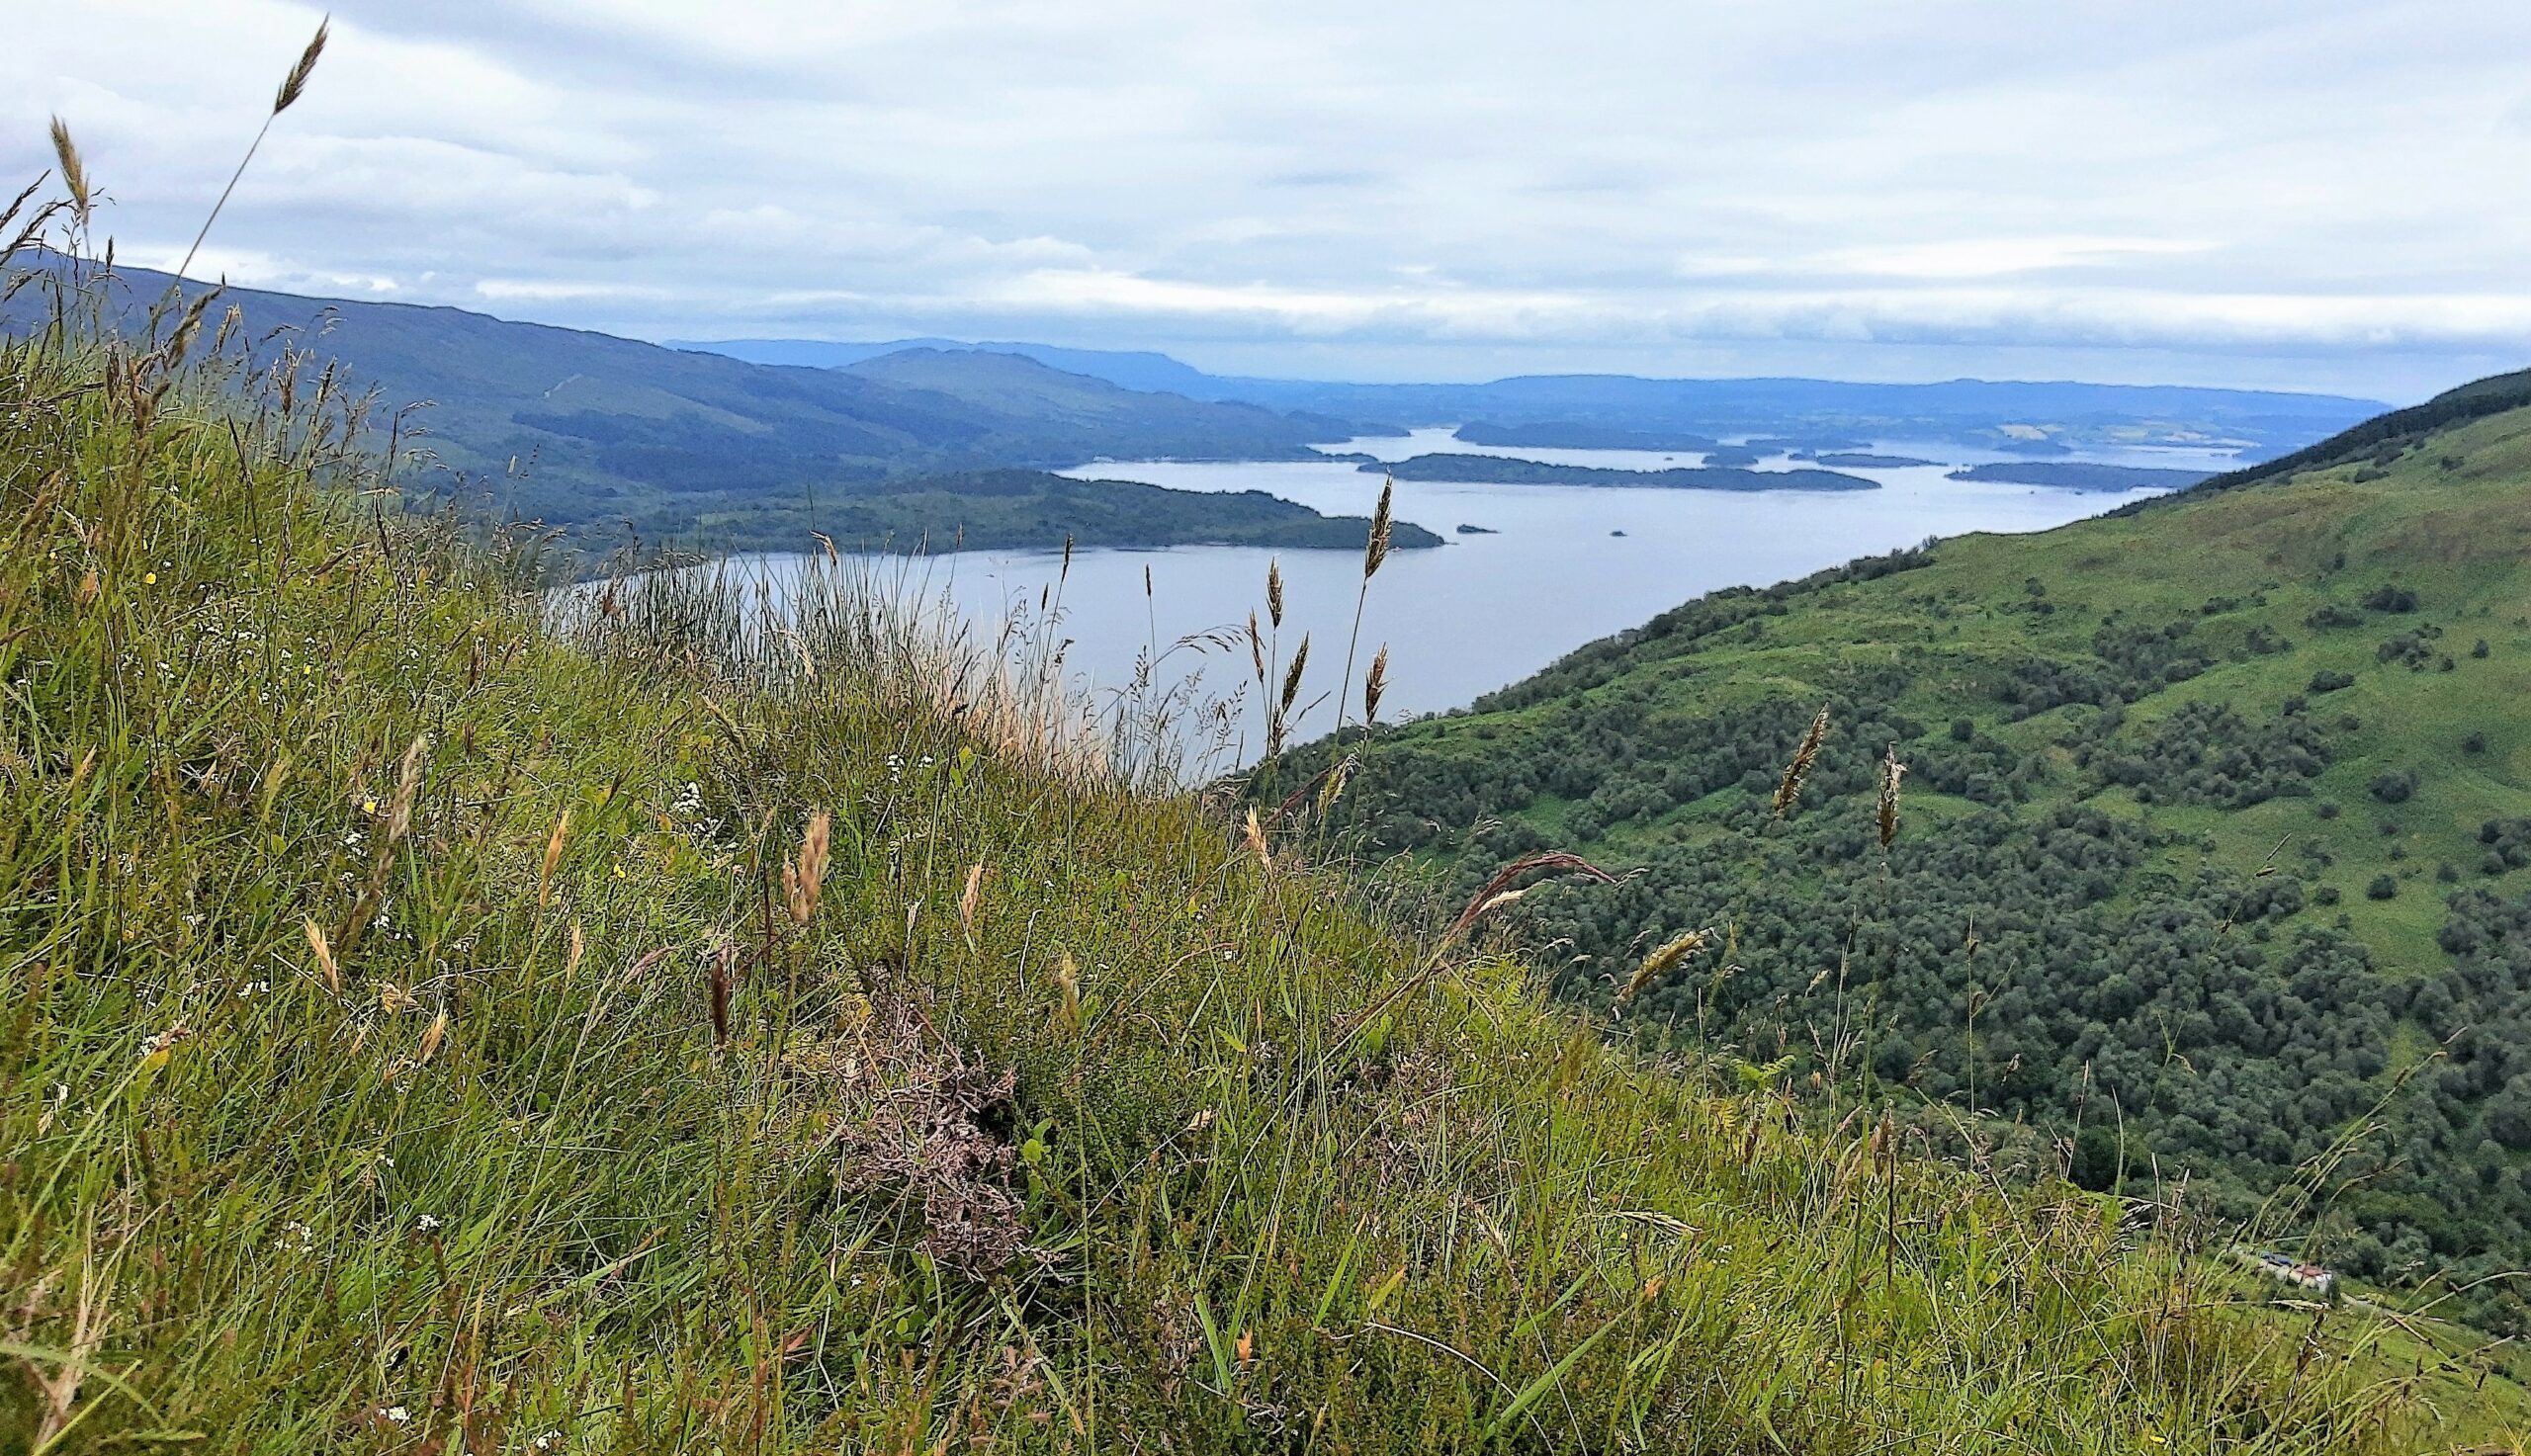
(2329, 195)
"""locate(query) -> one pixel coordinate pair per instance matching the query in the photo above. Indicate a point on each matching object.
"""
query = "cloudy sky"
(2321, 194)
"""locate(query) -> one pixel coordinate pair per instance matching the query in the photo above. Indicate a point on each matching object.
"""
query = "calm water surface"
(1568, 565)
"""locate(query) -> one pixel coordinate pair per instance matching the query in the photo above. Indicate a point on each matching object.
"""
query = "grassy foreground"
(426, 1034)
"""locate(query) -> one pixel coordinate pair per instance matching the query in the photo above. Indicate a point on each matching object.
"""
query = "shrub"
(2394, 785)
(2382, 888)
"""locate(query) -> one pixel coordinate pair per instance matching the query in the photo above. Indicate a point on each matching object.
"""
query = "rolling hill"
(2214, 850)
(602, 434)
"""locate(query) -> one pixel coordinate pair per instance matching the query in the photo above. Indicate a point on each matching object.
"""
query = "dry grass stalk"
(805, 878)
(1292, 674)
(74, 172)
(292, 87)
(408, 787)
(1802, 757)
(967, 900)
(1498, 891)
(296, 82)
(553, 859)
(1068, 987)
(1326, 784)
(1274, 591)
(1891, 772)
(1661, 961)
(719, 970)
(1376, 551)
(325, 953)
(1336, 776)
(1376, 685)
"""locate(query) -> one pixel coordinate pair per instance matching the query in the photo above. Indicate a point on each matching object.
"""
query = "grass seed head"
(296, 82)
(1374, 685)
(325, 954)
(1661, 961)
(74, 172)
(553, 859)
(1892, 771)
(1292, 674)
(805, 878)
(1802, 757)
(1376, 551)
(967, 900)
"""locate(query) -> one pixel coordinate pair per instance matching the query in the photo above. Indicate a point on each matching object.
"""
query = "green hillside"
(1033, 510)
(426, 1033)
(611, 435)
(2214, 852)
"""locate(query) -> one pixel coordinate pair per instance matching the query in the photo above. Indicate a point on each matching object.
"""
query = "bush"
(2327, 681)
(2395, 785)
(2382, 888)
(2391, 599)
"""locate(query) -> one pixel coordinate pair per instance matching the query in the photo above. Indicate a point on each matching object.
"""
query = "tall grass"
(708, 1028)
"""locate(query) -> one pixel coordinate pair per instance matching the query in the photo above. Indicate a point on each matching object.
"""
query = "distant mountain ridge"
(604, 434)
(1129, 369)
(2040, 416)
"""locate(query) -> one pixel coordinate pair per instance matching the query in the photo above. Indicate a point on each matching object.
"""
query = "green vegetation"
(1504, 470)
(2214, 854)
(989, 510)
(2079, 475)
(428, 1033)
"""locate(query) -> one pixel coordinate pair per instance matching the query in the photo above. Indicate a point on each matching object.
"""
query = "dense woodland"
(2209, 856)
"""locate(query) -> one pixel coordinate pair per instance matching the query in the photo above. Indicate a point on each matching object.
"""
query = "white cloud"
(2285, 189)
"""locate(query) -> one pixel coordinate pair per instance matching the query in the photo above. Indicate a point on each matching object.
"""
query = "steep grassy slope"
(2216, 824)
(426, 1034)
(586, 430)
